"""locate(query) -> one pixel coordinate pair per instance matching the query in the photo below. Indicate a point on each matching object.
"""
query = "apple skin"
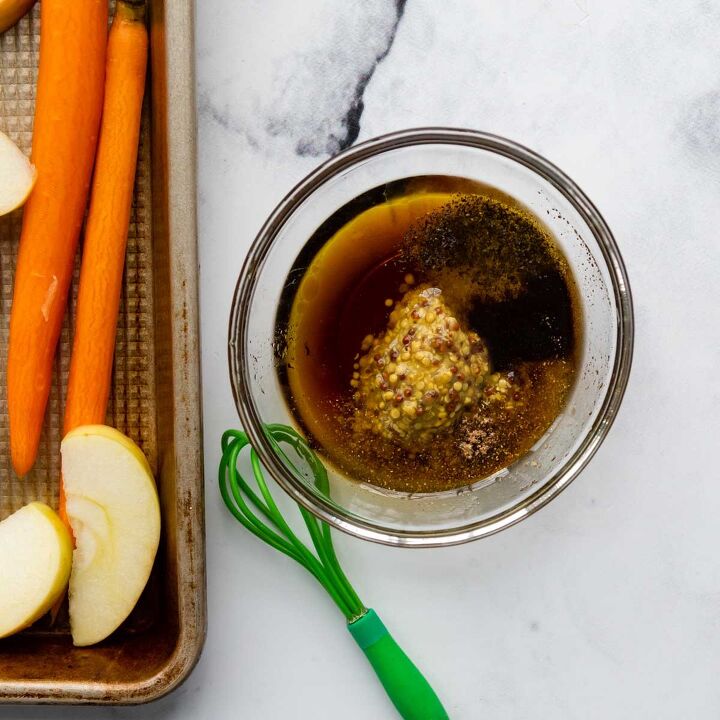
(35, 559)
(17, 175)
(113, 508)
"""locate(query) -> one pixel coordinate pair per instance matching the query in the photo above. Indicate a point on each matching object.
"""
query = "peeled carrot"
(107, 223)
(71, 77)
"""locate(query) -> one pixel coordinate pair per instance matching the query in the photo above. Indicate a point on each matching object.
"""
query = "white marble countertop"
(604, 604)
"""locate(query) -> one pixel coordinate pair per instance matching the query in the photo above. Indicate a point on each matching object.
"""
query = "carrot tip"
(22, 460)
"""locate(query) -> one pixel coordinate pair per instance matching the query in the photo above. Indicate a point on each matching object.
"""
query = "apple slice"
(113, 508)
(35, 558)
(17, 175)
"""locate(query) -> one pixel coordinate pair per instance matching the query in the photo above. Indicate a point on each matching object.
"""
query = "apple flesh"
(113, 508)
(17, 175)
(35, 558)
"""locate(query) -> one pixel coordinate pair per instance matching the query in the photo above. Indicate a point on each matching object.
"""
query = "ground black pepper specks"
(494, 245)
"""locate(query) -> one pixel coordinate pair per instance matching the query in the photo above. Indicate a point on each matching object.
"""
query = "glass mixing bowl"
(605, 356)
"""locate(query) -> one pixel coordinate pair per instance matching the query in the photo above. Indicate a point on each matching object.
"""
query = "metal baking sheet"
(156, 389)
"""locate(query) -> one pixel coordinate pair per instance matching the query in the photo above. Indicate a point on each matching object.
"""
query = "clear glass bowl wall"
(606, 344)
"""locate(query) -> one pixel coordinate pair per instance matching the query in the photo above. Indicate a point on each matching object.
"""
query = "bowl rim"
(238, 328)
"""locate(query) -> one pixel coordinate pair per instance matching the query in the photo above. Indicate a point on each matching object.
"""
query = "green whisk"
(409, 691)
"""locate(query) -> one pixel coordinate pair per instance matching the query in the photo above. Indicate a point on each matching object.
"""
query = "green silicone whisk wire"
(408, 689)
(325, 567)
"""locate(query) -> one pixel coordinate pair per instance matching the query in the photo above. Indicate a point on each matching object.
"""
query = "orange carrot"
(73, 39)
(107, 223)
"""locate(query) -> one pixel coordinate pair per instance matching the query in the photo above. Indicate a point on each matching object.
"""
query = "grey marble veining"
(313, 83)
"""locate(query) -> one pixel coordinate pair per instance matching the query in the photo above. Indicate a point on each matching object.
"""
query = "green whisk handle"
(404, 683)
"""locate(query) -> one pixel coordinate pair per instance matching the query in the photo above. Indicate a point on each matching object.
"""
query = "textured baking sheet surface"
(132, 404)
(156, 394)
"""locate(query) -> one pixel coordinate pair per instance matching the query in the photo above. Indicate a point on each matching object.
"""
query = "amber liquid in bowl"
(504, 278)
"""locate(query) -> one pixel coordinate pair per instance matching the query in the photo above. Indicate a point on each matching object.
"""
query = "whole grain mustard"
(417, 378)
